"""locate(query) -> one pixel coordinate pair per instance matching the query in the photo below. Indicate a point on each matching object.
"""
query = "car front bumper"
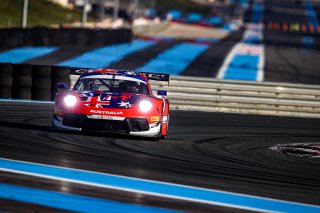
(131, 126)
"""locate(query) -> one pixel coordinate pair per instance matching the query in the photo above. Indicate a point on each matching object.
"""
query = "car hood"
(109, 100)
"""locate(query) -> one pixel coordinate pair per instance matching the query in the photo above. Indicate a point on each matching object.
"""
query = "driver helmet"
(132, 86)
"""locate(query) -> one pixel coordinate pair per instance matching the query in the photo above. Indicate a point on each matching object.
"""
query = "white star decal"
(125, 104)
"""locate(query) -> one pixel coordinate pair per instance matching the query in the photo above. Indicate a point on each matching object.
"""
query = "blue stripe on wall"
(105, 56)
(208, 196)
(174, 60)
(311, 15)
(22, 54)
(257, 12)
(68, 201)
(308, 41)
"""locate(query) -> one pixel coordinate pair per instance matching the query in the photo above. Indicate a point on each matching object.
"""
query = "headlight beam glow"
(145, 105)
(70, 100)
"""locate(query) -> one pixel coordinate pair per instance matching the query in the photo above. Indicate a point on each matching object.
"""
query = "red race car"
(113, 101)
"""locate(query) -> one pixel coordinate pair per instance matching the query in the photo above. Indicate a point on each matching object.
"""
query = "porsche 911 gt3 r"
(113, 101)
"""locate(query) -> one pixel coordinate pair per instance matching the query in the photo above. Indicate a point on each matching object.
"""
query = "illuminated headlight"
(70, 100)
(145, 105)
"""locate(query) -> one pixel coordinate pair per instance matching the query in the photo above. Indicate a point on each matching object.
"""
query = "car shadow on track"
(29, 126)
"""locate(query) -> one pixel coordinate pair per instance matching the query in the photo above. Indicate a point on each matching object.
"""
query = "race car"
(116, 101)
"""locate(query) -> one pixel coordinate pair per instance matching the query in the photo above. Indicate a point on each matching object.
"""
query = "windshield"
(111, 85)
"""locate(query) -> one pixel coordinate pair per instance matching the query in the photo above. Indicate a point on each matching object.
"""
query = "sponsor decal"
(165, 119)
(100, 112)
(105, 117)
(155, 118)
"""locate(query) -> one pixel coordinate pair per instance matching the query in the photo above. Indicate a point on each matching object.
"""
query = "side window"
(80, 86)
(143, 89)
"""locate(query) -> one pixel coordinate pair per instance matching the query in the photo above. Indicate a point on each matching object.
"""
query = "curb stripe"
(157, 188)
(70, 202)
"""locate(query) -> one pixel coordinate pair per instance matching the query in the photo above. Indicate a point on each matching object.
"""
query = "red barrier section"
(270, 25)
(304, 28)
(285, 26)
(311, 28)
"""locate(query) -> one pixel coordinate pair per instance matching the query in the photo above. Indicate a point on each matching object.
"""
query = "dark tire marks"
(212, 150)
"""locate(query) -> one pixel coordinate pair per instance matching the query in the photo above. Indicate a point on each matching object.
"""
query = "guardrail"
(189, 93)
(213, 95)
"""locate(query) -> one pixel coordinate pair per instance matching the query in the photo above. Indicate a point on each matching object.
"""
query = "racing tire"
(41, 71)
(5, 92)
(40, 94)
(22, 93)
(60, 72)
(157, 138)
(41, 83)
(5, 81)
(21, 70)
(163, 137)
(22, 81)
(53, 127)
(6, 69)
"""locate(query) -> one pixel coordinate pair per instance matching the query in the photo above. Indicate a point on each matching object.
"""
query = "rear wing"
(150, 76)
(158, 77)
(77, 71)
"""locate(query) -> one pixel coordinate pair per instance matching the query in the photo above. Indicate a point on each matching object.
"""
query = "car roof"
(126, 73)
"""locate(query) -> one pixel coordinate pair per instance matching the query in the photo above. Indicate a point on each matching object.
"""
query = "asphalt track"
(289, 61)
(285, 11)
(212, 150)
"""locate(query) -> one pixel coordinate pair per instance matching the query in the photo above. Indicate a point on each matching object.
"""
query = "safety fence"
(213, 95)
(189, 93)
(41, 36)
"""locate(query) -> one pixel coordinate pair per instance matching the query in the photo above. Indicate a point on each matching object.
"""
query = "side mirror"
(62, 86)
(162, 93)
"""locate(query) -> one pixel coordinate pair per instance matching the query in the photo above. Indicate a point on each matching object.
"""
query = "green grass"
(40, 13)
(183, 5)
(44, 13)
